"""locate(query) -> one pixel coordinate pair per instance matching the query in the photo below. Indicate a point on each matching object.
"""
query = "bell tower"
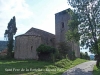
(61, 21)
(61, 27)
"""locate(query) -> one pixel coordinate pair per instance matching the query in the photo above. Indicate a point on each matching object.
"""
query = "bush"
(3, 57)
(46, 52)
(65, 50)
(63, 63)
(45, 49)
(84, 55)
(12, 55)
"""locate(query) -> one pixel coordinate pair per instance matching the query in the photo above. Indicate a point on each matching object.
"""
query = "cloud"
(38, 14)
(18, 8)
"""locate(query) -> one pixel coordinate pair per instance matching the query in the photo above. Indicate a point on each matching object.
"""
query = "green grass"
(33, 67)
(96, 71)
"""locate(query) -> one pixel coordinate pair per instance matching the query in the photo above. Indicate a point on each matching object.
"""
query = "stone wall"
(25, 46)
(61, 21)
(61, 27)
(46, 37)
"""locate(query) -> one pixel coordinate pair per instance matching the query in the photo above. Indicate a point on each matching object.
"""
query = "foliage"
(89, 22)
(96, 71)
(73, 57)
(9, 33)
(48, 68)
(63, 63)
(46, 52)
(10, 48)
(65, 51)
(92, 50)
(3, 57)
(84, 55)
(45, 49)
(72, 33)
(88, 12)
(12, 54)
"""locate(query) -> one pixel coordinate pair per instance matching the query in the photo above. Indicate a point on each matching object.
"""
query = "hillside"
(3, 45)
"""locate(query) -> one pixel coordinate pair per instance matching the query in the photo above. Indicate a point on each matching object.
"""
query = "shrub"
(12, 55)
(46, 52)
(63, 63)
(84, 55)
(3, 57)
(45, 49)
(64, 49)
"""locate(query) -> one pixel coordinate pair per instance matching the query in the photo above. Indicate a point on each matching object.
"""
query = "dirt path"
(81, 69)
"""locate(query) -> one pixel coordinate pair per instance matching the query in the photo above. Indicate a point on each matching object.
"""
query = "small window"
(62, 24)
(31, 48)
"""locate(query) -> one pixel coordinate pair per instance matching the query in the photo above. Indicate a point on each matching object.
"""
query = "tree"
(72, 33)
(63, 49)
(9, 33)
(88, 12)
(84, 55)
(87, 56)
(66, 51)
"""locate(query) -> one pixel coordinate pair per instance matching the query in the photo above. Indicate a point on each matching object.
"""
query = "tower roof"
(63, 12)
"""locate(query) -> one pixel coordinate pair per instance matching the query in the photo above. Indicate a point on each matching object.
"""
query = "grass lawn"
(96, 71)
(33, 67)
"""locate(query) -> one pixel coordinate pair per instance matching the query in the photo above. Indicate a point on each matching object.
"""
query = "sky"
(30, 13)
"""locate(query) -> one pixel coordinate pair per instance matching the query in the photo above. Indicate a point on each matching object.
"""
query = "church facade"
(26, 44)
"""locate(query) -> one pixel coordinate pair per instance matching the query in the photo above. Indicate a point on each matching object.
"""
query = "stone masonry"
(61, 27)
(26, 44)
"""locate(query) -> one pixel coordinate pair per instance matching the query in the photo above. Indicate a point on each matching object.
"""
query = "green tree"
(87, 56)
(88, 12)
(84, 55)
(65, 50)
(81, 55)
(9, 33)
(72, 34)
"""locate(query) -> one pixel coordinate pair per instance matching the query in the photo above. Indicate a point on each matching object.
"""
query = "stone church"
(26, 44)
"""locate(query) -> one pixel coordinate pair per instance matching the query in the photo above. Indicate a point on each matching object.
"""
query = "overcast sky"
(30, 13)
